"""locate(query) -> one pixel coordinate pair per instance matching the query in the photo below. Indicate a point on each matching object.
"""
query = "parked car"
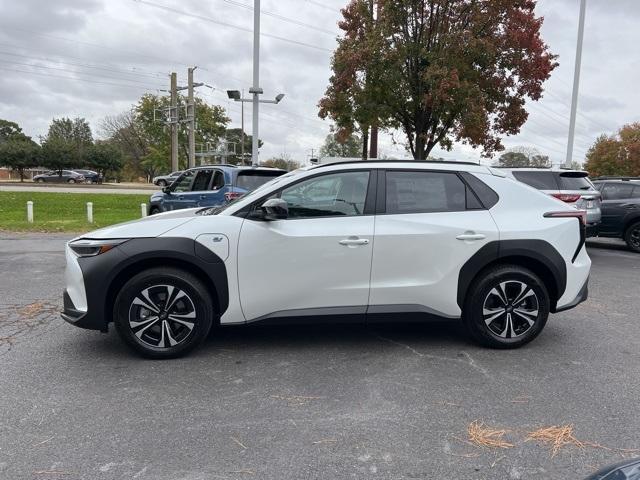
(365, 241)
(164, 180)
(571, 186)
(623, 470)
(209, 186)
(90, 176)
(620, 211)
(59, 176)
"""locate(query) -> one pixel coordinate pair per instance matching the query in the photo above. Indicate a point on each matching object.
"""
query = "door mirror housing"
(275, 209)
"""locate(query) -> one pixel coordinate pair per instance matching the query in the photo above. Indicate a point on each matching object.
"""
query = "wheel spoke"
(189, 325)
(184, 315)
(148, 304)
(140, 332)
(525, 292)
(508, 328)
(177, 297)
(167, 336)
(500, 295)
(492, 315)
(144, 321)
(524, 315)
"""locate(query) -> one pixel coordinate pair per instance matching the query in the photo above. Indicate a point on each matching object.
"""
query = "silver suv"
(571, 186)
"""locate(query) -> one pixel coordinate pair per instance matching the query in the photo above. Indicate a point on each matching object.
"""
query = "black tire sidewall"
(627, 237)
(183, 280)
(473, 317)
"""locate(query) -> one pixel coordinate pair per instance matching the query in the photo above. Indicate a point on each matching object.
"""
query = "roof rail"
(391, 160)
(610, 177)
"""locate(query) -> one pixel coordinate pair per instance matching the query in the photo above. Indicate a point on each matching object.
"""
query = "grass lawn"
(66, 212)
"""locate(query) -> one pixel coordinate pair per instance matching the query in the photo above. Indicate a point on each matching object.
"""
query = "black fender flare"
(538, 251)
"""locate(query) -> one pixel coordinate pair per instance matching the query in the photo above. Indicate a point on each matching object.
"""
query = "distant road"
(115, 188)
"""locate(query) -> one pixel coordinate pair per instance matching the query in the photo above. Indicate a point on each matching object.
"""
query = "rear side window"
(485, 193)
(636, 192)
(617, 191)
(218, 180)
(544, 180)
(424, 192)
(202, 180)
(574, 182)
(252, 179)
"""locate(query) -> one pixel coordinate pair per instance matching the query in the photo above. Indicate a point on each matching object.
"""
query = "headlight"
(91, 248)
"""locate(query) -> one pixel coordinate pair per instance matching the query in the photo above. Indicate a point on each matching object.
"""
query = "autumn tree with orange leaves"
(439, 70)
(617, 155)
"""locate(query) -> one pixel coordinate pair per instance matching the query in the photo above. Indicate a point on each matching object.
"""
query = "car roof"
(408, 164)
(631, 181)
(534, 169)
(236, 168)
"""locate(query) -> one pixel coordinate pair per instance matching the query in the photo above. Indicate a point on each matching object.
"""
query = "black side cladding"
(536, 250)
(104, 273)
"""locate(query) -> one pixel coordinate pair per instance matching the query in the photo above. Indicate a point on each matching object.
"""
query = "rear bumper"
(583, 294)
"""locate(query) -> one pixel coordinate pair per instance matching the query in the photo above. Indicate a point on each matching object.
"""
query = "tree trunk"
(21, 173)
(373, 148)
(420, 147)
(365, 142)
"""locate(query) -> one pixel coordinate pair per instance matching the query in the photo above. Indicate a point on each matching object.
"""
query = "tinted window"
(218, 180)
(338, 194)
(572, 182)
(250, 180)
(202, 180)
(486, 195)
(420, 192)
(541, 180)
(617, 191)
(183, 183)
(636, 192)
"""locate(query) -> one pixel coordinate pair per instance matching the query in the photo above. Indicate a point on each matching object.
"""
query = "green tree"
(58, 154)
(10, 131)
(105, 157)
(524, 157)
(616, 154)
(334, 146)
(440, 70)
(284, 161)
(234, 135)
(19, 155)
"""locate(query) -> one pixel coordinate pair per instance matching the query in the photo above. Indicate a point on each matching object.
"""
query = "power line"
(43, 74)
(73, 71)
(322, 5)
(281, 17)
(230, 25)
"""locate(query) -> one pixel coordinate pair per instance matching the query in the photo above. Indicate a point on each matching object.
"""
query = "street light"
(236, 96)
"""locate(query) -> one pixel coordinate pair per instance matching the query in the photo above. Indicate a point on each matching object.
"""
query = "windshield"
(252, 179)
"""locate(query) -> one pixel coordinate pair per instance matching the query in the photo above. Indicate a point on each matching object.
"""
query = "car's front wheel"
(162, 183)
(632, 237)
(163, 312)
(507, 306)
(71, 180)
(154, 210)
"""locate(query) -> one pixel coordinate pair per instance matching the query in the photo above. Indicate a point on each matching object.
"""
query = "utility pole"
(173, 112)
(191, 118)
(576, 84)
(242, 130)
(256, 90)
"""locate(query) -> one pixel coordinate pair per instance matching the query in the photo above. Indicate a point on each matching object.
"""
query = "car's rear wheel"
(40, 180)
(632, 237)
(163, 312)
(71, 180)
(507, 306)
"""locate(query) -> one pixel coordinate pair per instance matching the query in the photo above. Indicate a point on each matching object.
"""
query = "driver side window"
(338, 194)
(183, 183)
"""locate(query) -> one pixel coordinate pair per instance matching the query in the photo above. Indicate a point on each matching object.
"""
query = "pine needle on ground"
(484, 436)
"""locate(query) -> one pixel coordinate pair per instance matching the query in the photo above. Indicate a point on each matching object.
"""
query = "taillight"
(579, 214)
(229, 196)
(567, 197)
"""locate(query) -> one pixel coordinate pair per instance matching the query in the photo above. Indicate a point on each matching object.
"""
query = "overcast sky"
(92, 58)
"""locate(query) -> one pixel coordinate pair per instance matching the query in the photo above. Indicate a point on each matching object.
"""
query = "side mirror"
(275, 209)
(166, 190)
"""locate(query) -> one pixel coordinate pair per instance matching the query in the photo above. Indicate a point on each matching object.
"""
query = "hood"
(146, 227)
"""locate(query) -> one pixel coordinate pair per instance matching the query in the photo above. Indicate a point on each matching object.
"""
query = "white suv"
(370, 241)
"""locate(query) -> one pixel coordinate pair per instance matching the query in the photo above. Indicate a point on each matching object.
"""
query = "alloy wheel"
(162, 316)
(510, 309)
(634, 237)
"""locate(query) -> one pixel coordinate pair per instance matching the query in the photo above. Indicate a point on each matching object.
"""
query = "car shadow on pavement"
(608, 244)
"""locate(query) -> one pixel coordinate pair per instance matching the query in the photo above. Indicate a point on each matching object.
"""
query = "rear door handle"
(202, 197)
(469, 236)
(353, 241)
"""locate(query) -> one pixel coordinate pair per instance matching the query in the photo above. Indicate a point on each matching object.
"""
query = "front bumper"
(79, 318)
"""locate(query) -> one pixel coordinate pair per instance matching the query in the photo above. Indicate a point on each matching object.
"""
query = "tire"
(71, 180)
(40, 180)
(187, 322)
(154, 210)
(494, 323)
(632, 237)
(162, 183)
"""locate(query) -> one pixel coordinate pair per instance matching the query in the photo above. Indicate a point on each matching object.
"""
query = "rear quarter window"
(544, 180)
(250, 180)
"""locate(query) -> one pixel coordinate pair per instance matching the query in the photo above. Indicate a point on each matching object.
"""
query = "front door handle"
(202, 197)
(353, 241)
(470, 236)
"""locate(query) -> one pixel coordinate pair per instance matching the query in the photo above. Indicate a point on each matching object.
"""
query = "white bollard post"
(143, 209)
(30, 211)
(90, 212)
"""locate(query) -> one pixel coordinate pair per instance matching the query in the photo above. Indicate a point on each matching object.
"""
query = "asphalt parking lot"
(321, 402)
